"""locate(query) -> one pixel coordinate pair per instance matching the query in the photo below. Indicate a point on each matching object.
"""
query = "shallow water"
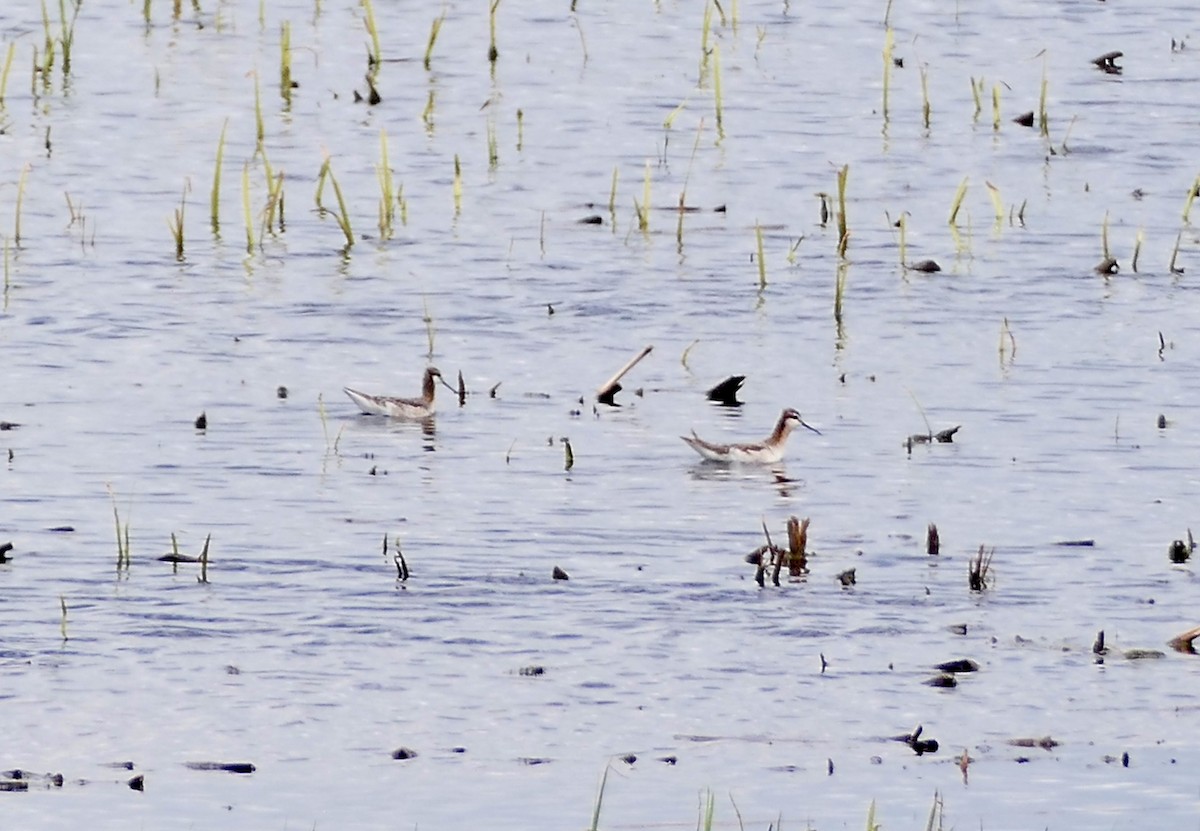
(304, 655)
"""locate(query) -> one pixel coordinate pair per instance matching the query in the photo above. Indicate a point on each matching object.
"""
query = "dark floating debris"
(8, 425)
(941, 437)
(1076, 543)
(1098, 647)
(462, 390)
(594, 219)
(62, 529)
(795, 556)
(668, 760)
(281, 391)
(926, 266)
(532, 671)
(943, 680)
(1162, 422)
(404, 753)
(958, 665)
(1025, 119)
(919, 746)
(725, 393)
(559, 574)
(4, 549)
(532, 761)
(1108, 62)
(1179, 552)
(933, 543)
(138, 783)
(628, 758)
(1108, 265)
(227, 767)
(202, 421)
(606, 391)
(848, 577)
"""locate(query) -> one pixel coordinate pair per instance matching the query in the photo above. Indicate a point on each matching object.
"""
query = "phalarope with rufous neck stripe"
(764, 452)
(408, 408)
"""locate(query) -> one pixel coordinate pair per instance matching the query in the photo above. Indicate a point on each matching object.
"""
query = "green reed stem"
(215, 198)
(285, 62)
(376, 56)
(716, 54)
(458, 185)
(958, 200)
(434, 29)
(889, 39)
(387, 190)
(493, 52)
(843, 229)
(246, 213)
(8, 60)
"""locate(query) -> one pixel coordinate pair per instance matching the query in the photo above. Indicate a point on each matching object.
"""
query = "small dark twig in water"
(933, 543)
(978, 568)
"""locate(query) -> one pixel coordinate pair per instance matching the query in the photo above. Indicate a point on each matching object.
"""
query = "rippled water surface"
(305, 656)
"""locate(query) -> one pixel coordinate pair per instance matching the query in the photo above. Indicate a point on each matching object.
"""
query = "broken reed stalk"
(705, 31)
(997, 204)
(1187, 205)
(176, 221)
(716, 54)
(568, 454)
(1175, 255)
(387, 190)
(457, 186)
(1104, 237)
(762, 263)
(343, 215)
(902, 225)
(889, 38)
(797, 531)
(62, 624)
(493, 53)
(609, 388)
(247, 214)
(933, 543)
(215, 199)
(958, 200)
(1137, 249)
(285, 63)
(203, 578)
(925, 108)
(376, 56)
(977, 96)
(996, 107)
(434, 29)
(520, 129)
(843, 231)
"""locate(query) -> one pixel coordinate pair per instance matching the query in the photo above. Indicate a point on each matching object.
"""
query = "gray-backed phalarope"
(764, 452)
(407, 408)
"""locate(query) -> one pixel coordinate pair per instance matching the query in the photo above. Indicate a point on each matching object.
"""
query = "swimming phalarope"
(408, 408)
(765, 452)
